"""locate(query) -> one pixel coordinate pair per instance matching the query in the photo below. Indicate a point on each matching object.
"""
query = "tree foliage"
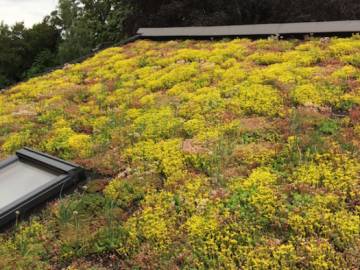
(87, 24)
(22, 49)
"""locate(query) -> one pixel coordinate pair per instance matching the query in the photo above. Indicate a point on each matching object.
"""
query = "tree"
(19, 47)
(12, 51)
(88, 24)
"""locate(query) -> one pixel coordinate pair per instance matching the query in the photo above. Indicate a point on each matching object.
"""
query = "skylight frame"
(66, 174)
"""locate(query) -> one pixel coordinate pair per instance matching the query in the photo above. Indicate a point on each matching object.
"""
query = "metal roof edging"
(350, 26)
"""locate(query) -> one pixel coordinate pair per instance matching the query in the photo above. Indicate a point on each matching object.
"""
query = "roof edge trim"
(329, 27)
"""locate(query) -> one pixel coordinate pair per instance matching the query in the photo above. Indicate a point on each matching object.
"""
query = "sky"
(28, 11)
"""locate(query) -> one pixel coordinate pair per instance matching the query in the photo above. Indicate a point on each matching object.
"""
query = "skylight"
(30, 178)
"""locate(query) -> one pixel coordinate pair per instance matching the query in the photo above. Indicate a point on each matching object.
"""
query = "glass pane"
(19, 179)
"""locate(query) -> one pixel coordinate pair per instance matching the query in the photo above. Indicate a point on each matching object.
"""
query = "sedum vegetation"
(233, 154)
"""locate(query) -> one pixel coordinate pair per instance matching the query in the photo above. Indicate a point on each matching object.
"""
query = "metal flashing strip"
(30, 178)
(331, 27)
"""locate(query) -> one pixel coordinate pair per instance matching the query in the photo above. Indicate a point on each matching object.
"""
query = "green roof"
(231, 154)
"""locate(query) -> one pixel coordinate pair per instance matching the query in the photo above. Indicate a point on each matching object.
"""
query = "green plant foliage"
(329, 127)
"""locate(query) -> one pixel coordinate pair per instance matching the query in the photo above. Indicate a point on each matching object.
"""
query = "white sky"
(27, 11)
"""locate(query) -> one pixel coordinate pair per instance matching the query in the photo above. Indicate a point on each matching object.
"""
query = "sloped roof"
(242, 151)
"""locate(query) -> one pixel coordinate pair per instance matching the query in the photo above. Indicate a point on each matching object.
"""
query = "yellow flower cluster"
(164, 158)
(68, 143)
(16, 141)
(335, 172)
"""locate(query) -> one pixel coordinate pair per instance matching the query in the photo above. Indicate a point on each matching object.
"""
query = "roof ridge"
(328, 27)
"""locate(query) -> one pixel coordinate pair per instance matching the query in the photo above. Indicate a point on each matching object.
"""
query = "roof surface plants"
(229, 154)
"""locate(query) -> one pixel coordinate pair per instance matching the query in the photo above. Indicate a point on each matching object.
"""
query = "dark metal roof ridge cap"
(253, 29)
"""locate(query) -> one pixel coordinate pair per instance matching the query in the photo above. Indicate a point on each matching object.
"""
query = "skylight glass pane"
(20, 179)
